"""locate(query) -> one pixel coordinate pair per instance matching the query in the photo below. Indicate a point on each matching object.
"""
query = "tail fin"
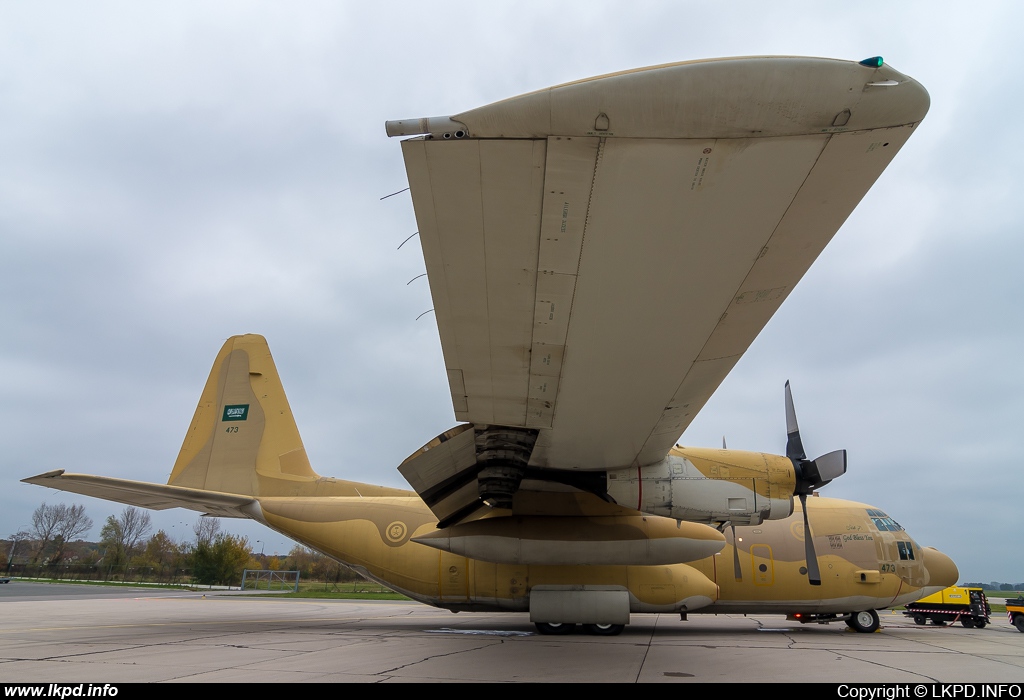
(243, 443)
(243, 438)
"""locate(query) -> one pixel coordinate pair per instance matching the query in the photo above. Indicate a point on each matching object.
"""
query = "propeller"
(810, 476)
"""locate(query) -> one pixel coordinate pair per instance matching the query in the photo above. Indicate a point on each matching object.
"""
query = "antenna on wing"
(393, 194)
(810, 476)
(423, 314)
(415, 278)
(406, 241)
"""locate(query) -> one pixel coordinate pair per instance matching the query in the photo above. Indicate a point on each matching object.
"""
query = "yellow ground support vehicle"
(968, 605)
(1015, 612)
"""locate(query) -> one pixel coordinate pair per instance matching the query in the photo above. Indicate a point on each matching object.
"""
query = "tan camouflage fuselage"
(860, 565)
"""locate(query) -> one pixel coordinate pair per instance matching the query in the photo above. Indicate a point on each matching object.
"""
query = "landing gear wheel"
(1018, 622)
(920, 619)
(864, 621)
(967, 622)
(604, 630)
(555, 627)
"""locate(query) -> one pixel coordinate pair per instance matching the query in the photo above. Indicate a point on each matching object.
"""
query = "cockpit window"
(883, 522)
(906, 550)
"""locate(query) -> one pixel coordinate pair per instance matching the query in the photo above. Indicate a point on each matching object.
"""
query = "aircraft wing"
(146, 495)
(601, 253)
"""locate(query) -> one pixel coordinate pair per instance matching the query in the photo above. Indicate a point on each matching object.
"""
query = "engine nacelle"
(709, 486)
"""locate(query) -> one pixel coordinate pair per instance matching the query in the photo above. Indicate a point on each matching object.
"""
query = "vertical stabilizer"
(243, 438)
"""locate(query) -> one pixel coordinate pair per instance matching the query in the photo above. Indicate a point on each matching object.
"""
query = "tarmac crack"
(650, 641)
(439, 656)
(80, 656)
(787, 635)
(842, 655)
(947, 650)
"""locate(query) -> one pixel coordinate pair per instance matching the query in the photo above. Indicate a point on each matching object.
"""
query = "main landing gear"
(607, 630)
(556, 627)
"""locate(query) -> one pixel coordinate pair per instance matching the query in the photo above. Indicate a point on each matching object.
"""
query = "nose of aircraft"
(941, 570)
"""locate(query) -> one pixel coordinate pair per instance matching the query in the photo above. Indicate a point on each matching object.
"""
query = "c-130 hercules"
(600, 254)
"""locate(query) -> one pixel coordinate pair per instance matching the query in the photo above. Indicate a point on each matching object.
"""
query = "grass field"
(314, 589)
(116, 584)
(348, 590)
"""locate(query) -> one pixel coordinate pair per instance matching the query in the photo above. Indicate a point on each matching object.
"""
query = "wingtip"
(45, 475)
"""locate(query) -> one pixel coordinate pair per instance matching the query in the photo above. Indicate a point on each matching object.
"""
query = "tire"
(555, 627)
(920, 619)
(980, 624)
(864, 621)
(1018, 622)
(604, 630)
(938, 622)
(968, 622)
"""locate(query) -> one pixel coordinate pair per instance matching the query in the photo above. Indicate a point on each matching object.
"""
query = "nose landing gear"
(865, 621)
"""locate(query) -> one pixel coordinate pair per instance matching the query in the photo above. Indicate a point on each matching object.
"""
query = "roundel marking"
(395, 532)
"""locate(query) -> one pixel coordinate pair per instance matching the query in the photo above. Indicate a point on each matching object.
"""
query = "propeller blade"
(811, 474)
(736, 556)
(794, 447)
(811, 558)
(830, 466)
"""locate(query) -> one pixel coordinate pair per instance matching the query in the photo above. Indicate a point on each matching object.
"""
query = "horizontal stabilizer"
(144, 495)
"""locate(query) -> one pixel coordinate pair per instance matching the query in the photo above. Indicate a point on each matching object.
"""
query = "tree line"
(994, 586)
(128, 550)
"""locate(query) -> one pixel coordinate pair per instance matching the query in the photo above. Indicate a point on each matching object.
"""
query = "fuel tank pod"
(570, 541)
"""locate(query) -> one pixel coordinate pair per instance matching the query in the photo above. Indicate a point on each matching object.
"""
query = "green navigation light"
(873, 62)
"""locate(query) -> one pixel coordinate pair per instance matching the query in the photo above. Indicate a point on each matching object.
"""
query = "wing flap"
(477, 199)
(443, 473)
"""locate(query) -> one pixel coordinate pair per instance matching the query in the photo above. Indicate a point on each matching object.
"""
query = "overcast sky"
(173, 174)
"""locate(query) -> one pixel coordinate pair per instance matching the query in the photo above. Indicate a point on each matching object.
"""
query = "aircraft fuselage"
(863, 567)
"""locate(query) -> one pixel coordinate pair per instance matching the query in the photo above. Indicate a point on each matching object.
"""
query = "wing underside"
(601, 254)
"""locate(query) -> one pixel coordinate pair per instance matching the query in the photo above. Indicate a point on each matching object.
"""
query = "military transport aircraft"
(600, 254)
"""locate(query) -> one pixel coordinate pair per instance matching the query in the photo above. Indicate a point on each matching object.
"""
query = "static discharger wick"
(405, 241)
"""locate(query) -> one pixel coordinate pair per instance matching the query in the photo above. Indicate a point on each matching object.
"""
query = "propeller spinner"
(810, 476)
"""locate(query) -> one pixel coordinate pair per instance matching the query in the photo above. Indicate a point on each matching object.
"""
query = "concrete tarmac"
(54, 633)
